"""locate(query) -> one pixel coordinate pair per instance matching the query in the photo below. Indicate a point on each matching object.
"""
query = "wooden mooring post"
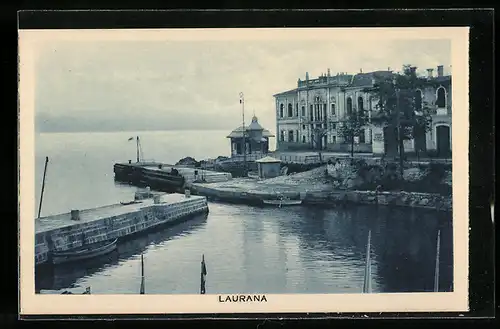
(142, 276)
(43, 186)
(367, 285)
(436, 270)
(203, 275)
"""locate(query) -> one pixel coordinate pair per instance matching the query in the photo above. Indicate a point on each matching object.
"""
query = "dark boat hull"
(90, 251)
(140, 176)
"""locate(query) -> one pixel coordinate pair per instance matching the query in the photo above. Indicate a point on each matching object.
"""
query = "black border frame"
(481, 147)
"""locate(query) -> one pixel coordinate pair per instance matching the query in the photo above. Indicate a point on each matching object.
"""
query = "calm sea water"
(247, 249)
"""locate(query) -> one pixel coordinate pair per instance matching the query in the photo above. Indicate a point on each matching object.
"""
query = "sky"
(116, 85)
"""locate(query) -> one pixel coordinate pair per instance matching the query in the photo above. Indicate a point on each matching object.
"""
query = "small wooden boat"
(65, 292)
(283, 202)
(84, 252)
(128, 202)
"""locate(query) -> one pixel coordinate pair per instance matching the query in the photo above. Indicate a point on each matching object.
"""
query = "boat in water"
(65, 292)
(84, 252)
(282, 201)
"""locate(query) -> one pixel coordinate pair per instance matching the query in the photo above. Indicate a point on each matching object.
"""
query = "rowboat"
(84, 252)
(284, 202)
(126, 203)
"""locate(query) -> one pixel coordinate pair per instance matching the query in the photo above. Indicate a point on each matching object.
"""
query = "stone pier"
(66, 231)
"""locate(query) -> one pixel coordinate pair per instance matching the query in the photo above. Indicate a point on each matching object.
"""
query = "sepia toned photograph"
(244, 170)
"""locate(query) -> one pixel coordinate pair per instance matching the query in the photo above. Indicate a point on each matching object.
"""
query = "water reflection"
(403, 245)
(66, 275)
(279, 250)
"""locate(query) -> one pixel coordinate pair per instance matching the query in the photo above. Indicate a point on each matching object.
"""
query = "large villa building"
(324, 102)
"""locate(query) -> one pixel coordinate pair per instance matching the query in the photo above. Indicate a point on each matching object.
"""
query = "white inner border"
(32, 304)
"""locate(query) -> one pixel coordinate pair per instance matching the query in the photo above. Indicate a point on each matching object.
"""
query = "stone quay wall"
(120, 226)
(331, 198)
(402, 199)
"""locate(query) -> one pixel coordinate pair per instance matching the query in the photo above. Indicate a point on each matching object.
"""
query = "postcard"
(277, 170)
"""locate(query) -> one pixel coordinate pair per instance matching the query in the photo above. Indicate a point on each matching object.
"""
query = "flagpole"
(242, 101)
(43, 186)
(142, 275)
(137, 146)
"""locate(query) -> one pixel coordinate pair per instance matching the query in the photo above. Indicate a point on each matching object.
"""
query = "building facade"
(309, 116)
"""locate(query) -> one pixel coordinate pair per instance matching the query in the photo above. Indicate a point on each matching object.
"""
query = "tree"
(397, 109)
(352, 127)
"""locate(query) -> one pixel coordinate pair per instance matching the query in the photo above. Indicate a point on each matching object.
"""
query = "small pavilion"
(256, 137)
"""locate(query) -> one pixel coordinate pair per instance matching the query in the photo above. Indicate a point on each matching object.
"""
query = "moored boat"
(283, 201)
(84, 252)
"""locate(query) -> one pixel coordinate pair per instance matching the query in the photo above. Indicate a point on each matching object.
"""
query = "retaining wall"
(119, 226)
(406, 199)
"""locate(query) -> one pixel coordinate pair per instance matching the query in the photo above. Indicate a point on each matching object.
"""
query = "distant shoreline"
(124, 131)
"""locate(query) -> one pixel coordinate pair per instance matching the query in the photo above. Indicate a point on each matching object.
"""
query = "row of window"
(293, 136)
(440, 98)
(315, 112)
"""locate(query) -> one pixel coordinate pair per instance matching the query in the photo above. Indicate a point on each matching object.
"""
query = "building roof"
(268, 159)
(254, 126)
(238, 133)
(291, 91)
(366, 79)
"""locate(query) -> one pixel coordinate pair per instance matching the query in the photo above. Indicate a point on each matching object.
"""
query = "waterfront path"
(313, 187)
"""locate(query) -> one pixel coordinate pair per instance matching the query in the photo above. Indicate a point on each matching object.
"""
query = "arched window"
(311, 112)
(290, 110)
(418, 100)
(282, 136)
(303, 111)
(281, 110)
(441, 97)
(333, 109)
(303, 139)
(362, 136)
(349, 106)
(360, 104)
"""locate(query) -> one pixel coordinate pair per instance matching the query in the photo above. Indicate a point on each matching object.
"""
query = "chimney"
(307, 76)
(429, 73)
(440, 70)
(360, 70)
(328, 72)
(75, 214)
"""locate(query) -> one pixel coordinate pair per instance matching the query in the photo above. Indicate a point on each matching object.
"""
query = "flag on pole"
(142, 275)
(203, 275)
(131, 138)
